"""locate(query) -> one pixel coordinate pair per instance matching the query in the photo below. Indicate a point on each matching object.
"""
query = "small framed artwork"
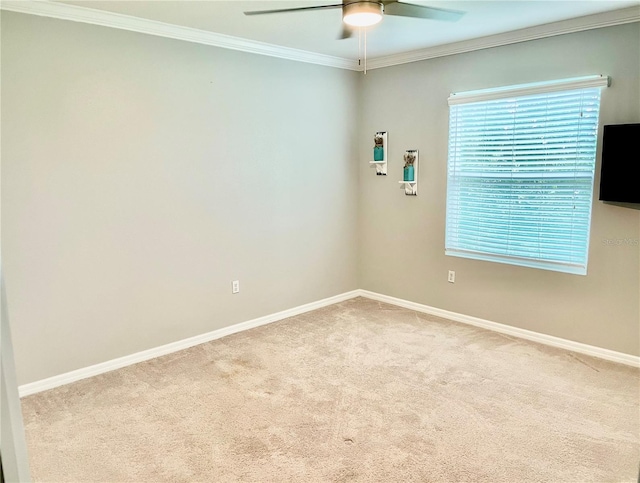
(410, 172)
(380, 150)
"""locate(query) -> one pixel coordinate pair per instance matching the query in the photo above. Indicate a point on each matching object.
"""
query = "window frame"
(453, 247)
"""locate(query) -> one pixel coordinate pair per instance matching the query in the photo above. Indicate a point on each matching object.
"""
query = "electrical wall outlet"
(235, 286)
(452, 276)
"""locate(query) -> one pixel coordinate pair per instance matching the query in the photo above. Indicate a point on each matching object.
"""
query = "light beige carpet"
(358, 391)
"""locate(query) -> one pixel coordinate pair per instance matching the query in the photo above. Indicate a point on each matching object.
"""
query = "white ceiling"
(316, 31)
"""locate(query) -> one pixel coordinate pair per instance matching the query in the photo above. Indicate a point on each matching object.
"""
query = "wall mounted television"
(619, 181)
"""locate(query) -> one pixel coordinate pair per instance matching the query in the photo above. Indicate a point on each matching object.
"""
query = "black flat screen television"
(619, 179)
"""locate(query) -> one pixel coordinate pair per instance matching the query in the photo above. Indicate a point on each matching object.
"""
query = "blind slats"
(520, 178)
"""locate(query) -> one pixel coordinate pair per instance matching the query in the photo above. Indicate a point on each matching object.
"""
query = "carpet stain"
(583, 362)
(250, 446)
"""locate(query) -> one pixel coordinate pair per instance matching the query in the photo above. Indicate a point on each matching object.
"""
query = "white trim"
(79, 374)
(151, 27)
(578, 24)
(564, 267)
(571, 84)
(125, 22)
(90, 371)
(549, 340)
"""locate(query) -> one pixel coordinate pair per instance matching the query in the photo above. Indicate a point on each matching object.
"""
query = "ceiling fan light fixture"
(362, 14)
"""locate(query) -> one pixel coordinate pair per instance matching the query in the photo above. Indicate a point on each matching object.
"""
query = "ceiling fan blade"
(346, 32)
(401, 9)
(285, 10)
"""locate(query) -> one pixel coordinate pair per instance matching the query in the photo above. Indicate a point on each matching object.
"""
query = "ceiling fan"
(359, 13)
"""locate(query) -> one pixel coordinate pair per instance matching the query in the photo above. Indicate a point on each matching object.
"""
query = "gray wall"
(141, 175)
(402, 238)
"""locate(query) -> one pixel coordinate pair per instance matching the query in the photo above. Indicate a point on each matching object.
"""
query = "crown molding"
(578, 24)
(92, 16)
(75, 13)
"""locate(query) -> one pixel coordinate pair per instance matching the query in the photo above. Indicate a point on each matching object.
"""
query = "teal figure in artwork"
(378, 149)
(409, 169)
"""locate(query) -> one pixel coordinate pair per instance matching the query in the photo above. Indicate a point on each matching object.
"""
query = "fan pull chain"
(359, 45)
(365, 52)
(360, 60)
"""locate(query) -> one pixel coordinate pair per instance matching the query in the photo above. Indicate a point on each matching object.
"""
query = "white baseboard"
(120, 362)
(549, 340)
(69, 377)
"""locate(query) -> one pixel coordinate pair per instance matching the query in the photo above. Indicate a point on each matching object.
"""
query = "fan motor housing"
(362, 13)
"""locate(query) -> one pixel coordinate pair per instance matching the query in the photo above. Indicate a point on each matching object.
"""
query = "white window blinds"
(520, 173)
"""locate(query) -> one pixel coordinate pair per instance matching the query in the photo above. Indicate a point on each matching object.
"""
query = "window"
(520, 173)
